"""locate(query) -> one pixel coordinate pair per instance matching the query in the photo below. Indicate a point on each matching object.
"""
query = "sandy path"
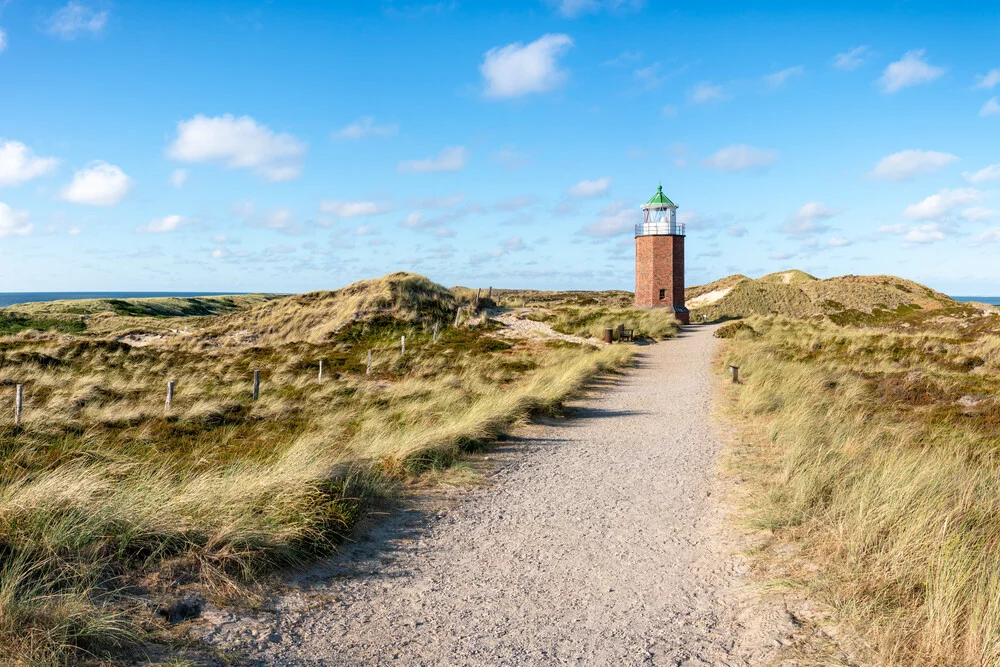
(598, 541)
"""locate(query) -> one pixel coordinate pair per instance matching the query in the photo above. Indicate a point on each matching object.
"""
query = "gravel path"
(598, 540)
(516, 325)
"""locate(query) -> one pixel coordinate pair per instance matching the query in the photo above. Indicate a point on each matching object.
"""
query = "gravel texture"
(597, 540)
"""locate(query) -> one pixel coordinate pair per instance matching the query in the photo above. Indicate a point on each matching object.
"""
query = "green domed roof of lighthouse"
(659, 199)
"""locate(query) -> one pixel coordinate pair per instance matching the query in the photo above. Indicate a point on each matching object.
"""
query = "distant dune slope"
(318, 316)
(844, 299)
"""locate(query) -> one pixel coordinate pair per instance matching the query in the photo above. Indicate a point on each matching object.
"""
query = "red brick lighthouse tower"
(659, 257)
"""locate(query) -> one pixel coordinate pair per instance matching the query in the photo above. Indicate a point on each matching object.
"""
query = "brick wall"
(659, 265)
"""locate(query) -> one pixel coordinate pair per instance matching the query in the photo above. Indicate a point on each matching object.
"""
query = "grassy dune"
(872, 458)
(105, 494)
(862, 300)
(109, 316)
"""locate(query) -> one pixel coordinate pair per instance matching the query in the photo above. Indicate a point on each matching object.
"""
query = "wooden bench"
(626, 335)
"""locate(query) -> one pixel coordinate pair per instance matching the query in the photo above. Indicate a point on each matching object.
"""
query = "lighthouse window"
(663, 294)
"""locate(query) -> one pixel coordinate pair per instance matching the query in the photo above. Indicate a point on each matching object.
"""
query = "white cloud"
(14, 223)
(239, 143)
(928, 233)
(705, 92)
(75, 19)
(808, 219)
(366, 127)
(781, 255)
(352, 209)
(737, 230)
(649, 77)
(510, 158)
(623, 58)
(850, 60)
(910, 70)
(942, 204)
(838, 242)
(170, 223)
(220, 253)
(979, 214)
(740, 157)
(777, 79)
(589, 189)
(990, 174)
(74, 231)
(366, 230)
(989, 80)
(452, 158)
(413, 219)
(618, 217)
(513, 244)
(991, 108)
(3, 41)
(442, 202)
(244, 209)
(516, 203)
(572, 9)
(99, 184)
(280, 218)
(991, 235)
(179, 177)
(517, 69)
(18, 164)
(898, 228)
(906, 165)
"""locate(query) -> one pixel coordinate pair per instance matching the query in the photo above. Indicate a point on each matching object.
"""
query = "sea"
(992, 300)
(11, 298)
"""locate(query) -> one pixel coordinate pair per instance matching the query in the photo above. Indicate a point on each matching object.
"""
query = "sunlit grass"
(876, 454)
(103, 482)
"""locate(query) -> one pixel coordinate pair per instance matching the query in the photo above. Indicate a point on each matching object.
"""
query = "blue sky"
(292, 146)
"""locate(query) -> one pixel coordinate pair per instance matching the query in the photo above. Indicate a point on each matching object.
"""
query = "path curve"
(598, 541)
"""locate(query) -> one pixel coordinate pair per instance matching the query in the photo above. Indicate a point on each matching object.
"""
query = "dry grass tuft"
(872, 456)
(103, 488)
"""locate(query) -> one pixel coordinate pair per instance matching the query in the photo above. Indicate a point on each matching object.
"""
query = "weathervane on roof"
(659, 257)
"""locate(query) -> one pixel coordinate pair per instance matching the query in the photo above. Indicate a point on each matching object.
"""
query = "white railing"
(660, 229)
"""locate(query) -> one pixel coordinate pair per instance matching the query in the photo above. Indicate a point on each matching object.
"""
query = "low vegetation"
(870, 458)
(109, 502)
(588, 314)
(856, 300)
(590, 322)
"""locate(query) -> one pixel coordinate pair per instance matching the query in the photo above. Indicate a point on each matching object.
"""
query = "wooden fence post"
(170, 394)
(489, 295)
(435, 332)
(476, 307)
(368, 370)
(736, 374)
(256, 385)
(458, 315)
(402, 345)
(320, 370)
(18, 404)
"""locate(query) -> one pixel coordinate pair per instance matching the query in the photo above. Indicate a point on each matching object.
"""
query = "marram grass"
(103, 487)
(875, 457)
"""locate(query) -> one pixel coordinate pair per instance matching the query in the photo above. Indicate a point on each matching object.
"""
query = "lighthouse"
(659, 257)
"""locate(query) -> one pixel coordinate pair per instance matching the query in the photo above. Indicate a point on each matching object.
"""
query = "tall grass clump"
(591, 321)
(105, 490)
(875, 455)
